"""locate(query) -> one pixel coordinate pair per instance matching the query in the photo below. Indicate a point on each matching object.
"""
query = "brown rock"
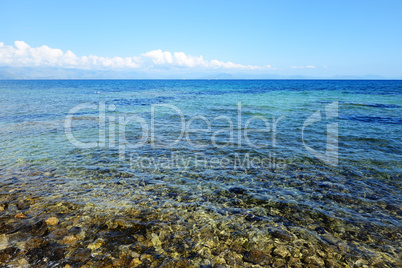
(279, 263)
(3, 241)
(81, 255)
(254, 256)
(36, 242)
(122, 262)
(52, 221)
(71, 239)
(20, 216)
(58, 233)
(8, 254)
(22, 205)
(23, 263)
(3, 206)
(281, 251)
(135, 262)
(96, 244)
(315, 260)
(281, 234)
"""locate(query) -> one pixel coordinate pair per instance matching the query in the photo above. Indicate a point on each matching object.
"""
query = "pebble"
(75, 230)
(20, 216)
(3, 206)
(71, 239)
(281, 234)
(36, 242)
(314, 260)
(23, 263)
(23, 205)
(8, 254)
(279, 263)
(254, 256)
(96, 244)
(3, 241)
(281, 251)
(81, 255)
(52, 221)
(135, 262)
(155, 241)
(58, 233)
(121, 262)
(237, 190)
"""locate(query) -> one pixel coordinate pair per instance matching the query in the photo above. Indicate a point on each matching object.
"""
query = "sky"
(287, 38)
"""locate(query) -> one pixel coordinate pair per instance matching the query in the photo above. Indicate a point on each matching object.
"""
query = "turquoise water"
(241, 176)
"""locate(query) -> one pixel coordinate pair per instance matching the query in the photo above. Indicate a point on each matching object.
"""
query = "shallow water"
(217, 196)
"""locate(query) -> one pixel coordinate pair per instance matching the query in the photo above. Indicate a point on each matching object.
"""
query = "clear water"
(351, 206)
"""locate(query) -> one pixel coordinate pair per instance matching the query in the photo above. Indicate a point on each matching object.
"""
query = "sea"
(200, 173)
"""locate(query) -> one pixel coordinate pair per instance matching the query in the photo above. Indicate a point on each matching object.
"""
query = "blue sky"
(314, 38)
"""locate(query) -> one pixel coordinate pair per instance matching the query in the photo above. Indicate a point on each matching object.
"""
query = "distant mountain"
(364, 77)
(65, 73)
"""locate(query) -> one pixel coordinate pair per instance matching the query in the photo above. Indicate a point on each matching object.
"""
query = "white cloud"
(303, 67)
(21, 54)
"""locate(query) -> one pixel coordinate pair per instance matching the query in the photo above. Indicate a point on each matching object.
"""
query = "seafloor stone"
(122, 262)
(50, 253)
(281, 234)
(20, 216)
(3, 241)
(23, 263)
(75, 230)
(22, 205)
(3, 206)
(315, 260)
(237, 190)
(71, 239)
(281, 251)
(279, 263)
(58, 234)
(8, 254)
(254, 256)
(81, 255)
(36, 242)
(38, 228)
(135, 262)
(52, 221)
(96, 244)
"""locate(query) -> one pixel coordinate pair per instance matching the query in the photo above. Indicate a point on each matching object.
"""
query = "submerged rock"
(281, 234)
(281, 251)
(96, 244)
(52, 221)
(3, 241)
(3, 206)
(255, 256)
(238, 190)
(71, 239)
(80, 256)
(42, 256)
(36, 242)
(20, 216)
(8, 254)
(23, 205)
(58, 234)
(75, 230)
